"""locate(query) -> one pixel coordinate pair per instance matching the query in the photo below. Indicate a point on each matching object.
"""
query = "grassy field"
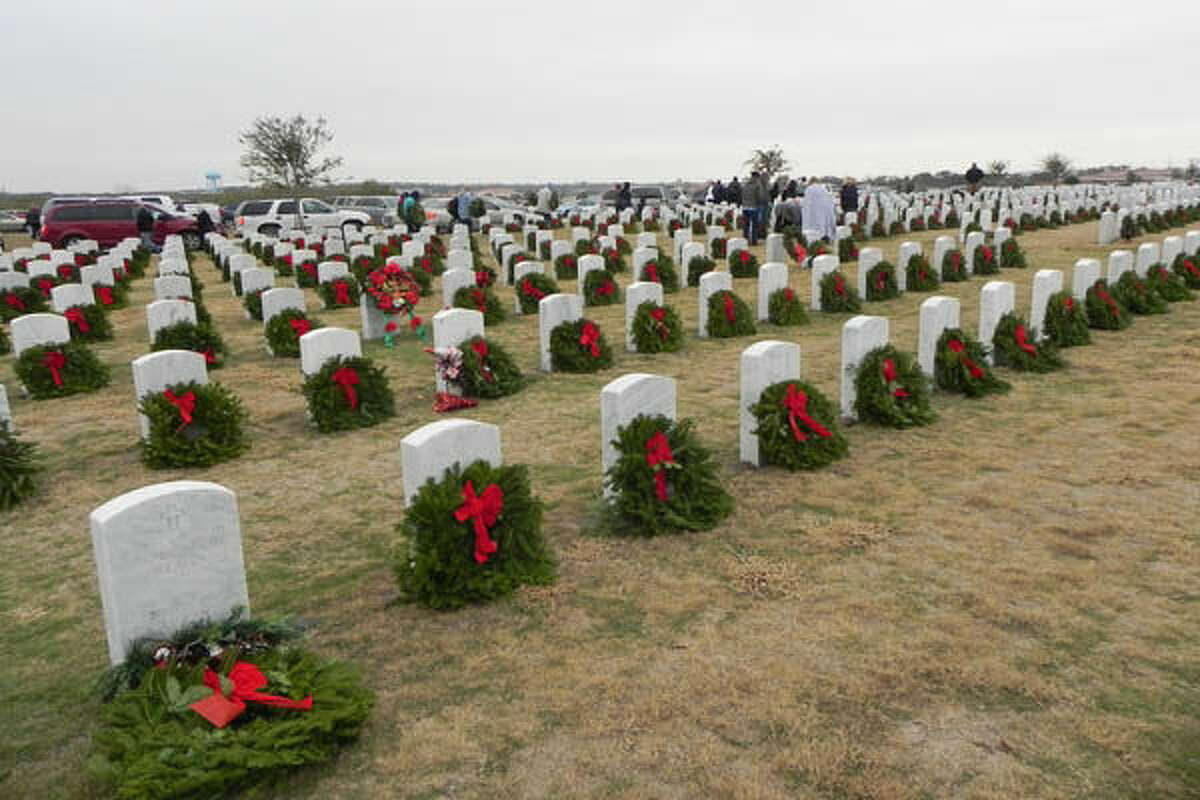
(1000, 605)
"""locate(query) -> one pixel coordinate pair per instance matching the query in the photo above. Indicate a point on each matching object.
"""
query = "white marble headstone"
(625, 399)
(710, 284)
(762, 364)
(937, 314)
(637, 293)
(70, 294)
(553, 311)
(169, 287)
(1046, 282)
(771, 278)
(821, 266)
(322, 344)
(452, 327)
(35, 330)
(276, 300)
(427, 452)
(860, 335)
(996, 299)
(154, 372)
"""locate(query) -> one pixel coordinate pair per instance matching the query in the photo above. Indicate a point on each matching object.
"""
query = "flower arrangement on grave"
(252, 302)
(306, 274)
(814, 249)
(88, 323)
(656, 328)
(423, 279)
(664, 479)
(109, 296)
(585, 247)
(960, 366)
(954, 268)
(1011, 255)
(1168, 285)
(193, 425)
(20, 465)
(698, 228)
(1138, 295)
(614, 262)
(21, 300)
(891, 390)
(921, 277)
(1015, 345)
(916, 224)
(59, 370)
(797, 427)
(728, 316)
(44, 284)
(600, 289)
(984, 261)
(784, 308)
(341, 292)
(67, 273)
(471, 537)
(838, 296)
(284, 330)
(697, 267)
(487, 370)
(881, 282)
(795, 243)
(395, 292)
(743, 264)
(219, 707)
(363, 265)
(1105, 310)
(484, 301)
(414, 216)
(543, 250)
(716, 247)
(532, 288)
(847, 250)
(1185, 266)
(566, 267)
(198, 337)
(579, 346)
(661, 270)
(1014, 227)
(348, 392)
(1066, 321)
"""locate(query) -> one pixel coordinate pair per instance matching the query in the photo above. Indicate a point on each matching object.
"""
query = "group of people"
(795, 202)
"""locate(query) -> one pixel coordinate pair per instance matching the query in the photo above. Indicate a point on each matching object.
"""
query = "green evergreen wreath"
(614, 262)
(743, 264)
(543, 250)
(92, 318)
(496, 375)
(719, 325)
(778, 442)
(21, 300)
(566, 267)
(252, 301)
(793, 236)
(214, 434)
(891, 390)
(1106, 310)
(698, 227)
(329, 403)
(423, 280)
(847, 250)
(694, 498)
(1139, 296)
(784, 308)
(838, 296)
(110, 297)
(198, 338)
(1170, 287)
(328, 292)
(1008, 352)
(436, 563)
(532, 288)
(881, 282)
(19, 468)
(5, 342)
(150, 744)
(656, 329)
(306, 272)
(283, 337)
(483, 300)
(953, 267)
(80, 370)
(1066, 321)
(485, 276)
(1185, 266)
(716, 247)
(661, 270)
(698, 266)
(964, 372)
(1011, 256)
(568, 353)
(585, 247)
(44, 284)
(921, 277)
(984, 261)
(600, 288)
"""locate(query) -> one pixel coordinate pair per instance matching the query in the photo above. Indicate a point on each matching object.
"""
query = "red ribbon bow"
(209, 357)
(730, 311)
(529, 290)
(605, 289)
(80, 260)
(104, 295)
(789, 294)
(957, 347)
(590, 337)
(481, 349)
(839, 285)
(801, 253)
(744, 255)
(1020, 335)
(652, 271)
(186, 403)
(880, 280)
(796, 404)
(1107, 298)
(481, 278)
(65, 271)
(247, 679)
(347, 378)
(658, 455)
(484, 510)
(889, 375)
(658, 314)
(76, 318)
(45, 284)
(14, 301)
(341, 293)
(987, 253)
(1190, 267)
(54, 361)
(1069, 304)
(480, 299)
(414, 323)
(300, 326)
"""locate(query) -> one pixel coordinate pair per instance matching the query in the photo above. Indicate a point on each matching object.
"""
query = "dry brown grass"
(1000, 605)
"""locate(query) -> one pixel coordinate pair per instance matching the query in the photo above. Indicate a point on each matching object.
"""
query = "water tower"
(214, 181)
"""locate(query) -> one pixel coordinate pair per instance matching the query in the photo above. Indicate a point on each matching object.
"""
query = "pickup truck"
(269, 217)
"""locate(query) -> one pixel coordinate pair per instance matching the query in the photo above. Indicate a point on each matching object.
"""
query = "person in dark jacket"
(974, 176)
(624, 196)
(733, 192)
(718, 192)
(33, 221)
(145, 227)
(204, 222)
(849, 196)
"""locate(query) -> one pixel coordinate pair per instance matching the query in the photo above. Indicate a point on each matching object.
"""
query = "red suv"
(108, 222)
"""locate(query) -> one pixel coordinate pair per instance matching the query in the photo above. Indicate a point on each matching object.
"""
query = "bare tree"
(770, 162)
(284, 153)
(1057, 166)
(998, 167)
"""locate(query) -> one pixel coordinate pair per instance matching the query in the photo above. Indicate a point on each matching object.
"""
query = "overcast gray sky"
(109, 94)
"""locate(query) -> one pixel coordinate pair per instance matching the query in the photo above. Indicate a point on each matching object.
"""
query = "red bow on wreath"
(652, 271)
(1019, 334)
(987, 253)
(14, 302)
(45, 284)
(801, 254)
(186, 403)
(880, 281)
(347, 378)
(481, 349)
(1068, 304)
(1190, 267)
(730, 310)
(54, 361)
(341, 293)
(209, 356)
(796, 404)
(1107, 298)
(957, 347)
(104, 295)
(300, 326)
(529, 290)
(658, 457)
(744, 255)
(605, 289)
(789, 294)
(659, 315)
(839, 285)
(589, 337)
(484, 510)
(889, 375)
(245, 680)
(480, 299)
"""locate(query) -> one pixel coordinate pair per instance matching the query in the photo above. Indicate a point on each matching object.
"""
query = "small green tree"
(284, 153)
(998, 167)
(1057, 166)
(770, 162)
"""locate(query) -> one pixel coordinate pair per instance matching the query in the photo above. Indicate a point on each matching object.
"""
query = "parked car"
(10, 222)
(380, 209)
(269, 217)
(161, 200)
(644, 195)
(110, 221)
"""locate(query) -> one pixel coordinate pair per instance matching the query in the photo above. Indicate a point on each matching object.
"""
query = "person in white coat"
(819, 213)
